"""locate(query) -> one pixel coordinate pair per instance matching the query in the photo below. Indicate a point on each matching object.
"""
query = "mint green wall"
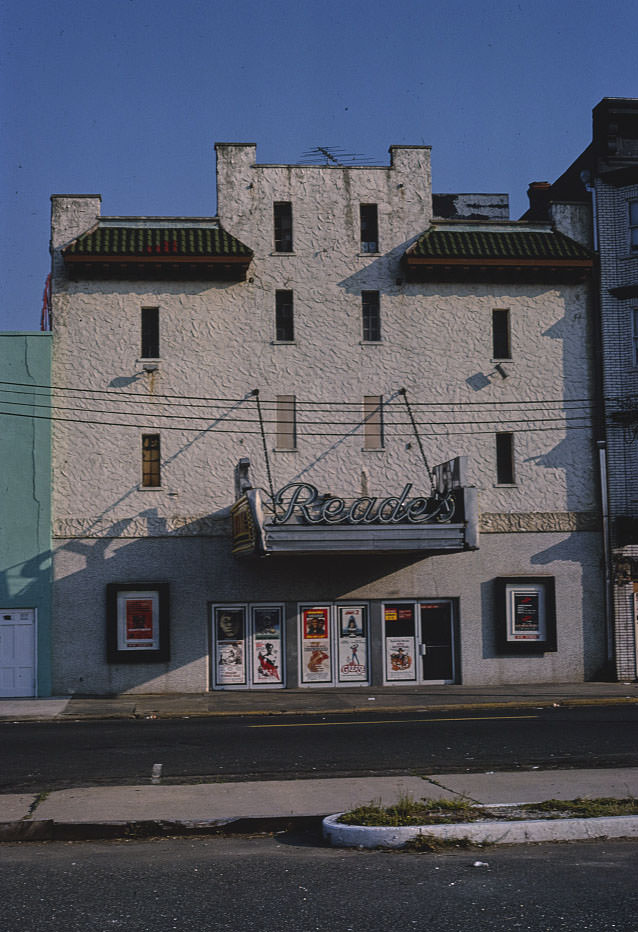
(25, 485)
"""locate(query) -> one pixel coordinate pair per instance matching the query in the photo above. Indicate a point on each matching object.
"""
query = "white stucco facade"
(218, 343)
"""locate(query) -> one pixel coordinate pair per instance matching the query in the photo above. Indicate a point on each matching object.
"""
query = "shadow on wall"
(198, 570)
(590, 607)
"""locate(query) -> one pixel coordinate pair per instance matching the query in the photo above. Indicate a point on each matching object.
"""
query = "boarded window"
(150, 333)
(284, 317)
(372, 422)
(505, 459)
(371, 314)
(369, 228)
(286, 423)
(283, 226)
(151, 473)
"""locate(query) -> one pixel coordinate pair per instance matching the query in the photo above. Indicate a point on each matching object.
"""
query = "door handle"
(423, 649)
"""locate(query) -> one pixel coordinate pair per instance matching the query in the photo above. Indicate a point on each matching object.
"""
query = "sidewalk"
(309, 701)
(253, 807)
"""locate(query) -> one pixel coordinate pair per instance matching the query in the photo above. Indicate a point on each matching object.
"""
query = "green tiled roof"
(481, 245)
(133, 242)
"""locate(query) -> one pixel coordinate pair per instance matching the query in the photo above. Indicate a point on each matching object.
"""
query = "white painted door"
(17, 652)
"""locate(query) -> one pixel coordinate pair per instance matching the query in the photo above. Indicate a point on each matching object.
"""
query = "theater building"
(340, 434)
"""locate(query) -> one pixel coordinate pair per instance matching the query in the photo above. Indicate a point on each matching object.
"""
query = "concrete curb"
(497, 832)
(71, 715)
(51, 830)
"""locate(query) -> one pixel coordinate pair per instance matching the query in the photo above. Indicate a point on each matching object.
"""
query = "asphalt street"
(291, 884)
(42, 756)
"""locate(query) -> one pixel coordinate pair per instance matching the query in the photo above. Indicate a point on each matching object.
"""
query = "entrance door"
(17, 653)
(437, 642)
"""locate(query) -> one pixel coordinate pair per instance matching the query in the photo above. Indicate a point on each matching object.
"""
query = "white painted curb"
(497, 832)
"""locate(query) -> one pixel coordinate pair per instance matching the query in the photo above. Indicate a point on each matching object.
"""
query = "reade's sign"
(302, 502)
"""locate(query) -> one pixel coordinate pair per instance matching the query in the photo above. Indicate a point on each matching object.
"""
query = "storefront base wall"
(201, 571)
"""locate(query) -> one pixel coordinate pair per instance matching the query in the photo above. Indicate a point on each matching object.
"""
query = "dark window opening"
(371, 314)
(501, 343)
(284, 316)
(633, 226)
(505, 459)
(369, 228)
(151, 475)
(150, 333)
(283, 226)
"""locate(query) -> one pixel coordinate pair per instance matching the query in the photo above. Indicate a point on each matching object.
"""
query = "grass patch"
(407, 811)
(433, 843)
(588, 808)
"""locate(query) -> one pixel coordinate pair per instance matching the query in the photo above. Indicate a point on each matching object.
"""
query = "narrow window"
(634, 322)
(283, 226)
(286, 423)
(373, 422)
(369, 228)
(150, 333)
(633, 226)
(151, 476)
(505, 459)
(284, 317)
(371, 316)
(501, 345)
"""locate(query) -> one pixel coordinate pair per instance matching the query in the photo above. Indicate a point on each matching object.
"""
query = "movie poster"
(230, 647)
(267, 650)
(139, 623)
(316, 661)
(526, 616)
(353, 644)
(399, 658)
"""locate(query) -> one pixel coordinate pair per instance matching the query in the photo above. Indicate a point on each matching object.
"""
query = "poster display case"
(525, 614)
(333, 644)
(137, 622)
(247, 646)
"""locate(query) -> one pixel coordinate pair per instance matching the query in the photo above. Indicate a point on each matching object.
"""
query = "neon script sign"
(300, 500)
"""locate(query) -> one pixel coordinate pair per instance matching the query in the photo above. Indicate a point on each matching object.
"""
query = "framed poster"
(229, 629)
(400, 642)
(267, 641)
(525, 614)
(137, 622)
(316, 649)
(353, 643)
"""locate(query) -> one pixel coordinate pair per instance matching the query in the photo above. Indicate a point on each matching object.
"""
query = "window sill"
(505, 485)
(276, 253)
(367, 255)
(373, 449)
(283, 342)
(286, 450)
(150, 488)
(370, 342)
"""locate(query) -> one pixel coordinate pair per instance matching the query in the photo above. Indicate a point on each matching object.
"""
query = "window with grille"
(284, 316)
(151, 472)
(633, 225)
(371, 313)
(283, 226)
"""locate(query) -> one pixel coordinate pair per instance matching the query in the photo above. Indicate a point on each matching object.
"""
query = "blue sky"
(126, 98)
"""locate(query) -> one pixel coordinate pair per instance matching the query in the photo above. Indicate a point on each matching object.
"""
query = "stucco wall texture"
(217, 344)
